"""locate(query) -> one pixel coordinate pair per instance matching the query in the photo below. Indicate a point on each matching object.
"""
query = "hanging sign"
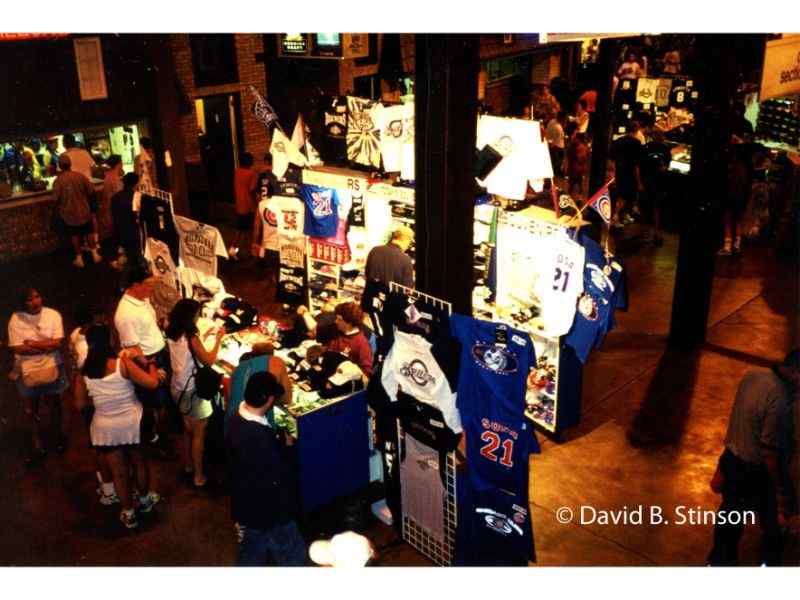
(781, 73)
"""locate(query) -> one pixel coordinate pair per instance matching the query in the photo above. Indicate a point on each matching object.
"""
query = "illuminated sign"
(781, 74)
(294, 43)
(15, 37)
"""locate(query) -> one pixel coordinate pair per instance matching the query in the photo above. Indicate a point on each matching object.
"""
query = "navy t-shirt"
(322, 211)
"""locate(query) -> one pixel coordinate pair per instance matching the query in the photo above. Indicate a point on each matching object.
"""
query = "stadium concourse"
(651, 432)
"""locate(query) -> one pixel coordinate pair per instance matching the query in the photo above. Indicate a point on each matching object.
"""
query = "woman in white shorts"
(181, 333)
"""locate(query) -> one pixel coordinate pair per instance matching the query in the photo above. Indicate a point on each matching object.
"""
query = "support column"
(601, 120)
(446, 117)
(717, 69)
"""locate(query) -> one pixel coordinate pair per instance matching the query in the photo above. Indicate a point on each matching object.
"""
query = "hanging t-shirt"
(602, 293)
(321, 210)
(155, 216)
(289, 214)
(407, 168)
(422, 492)
(357, 242)
(514, 139)
(269, 226)
(355, 216)
(646, 90)
(410, 366)
(290, 285)
(200, 244)
(334, 141)
(663, 90)
(560, 282)
(291, 250)
(157, 253)
(392, 137)
(363, 131)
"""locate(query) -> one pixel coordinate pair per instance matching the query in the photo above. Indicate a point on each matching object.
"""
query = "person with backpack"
(186, 354)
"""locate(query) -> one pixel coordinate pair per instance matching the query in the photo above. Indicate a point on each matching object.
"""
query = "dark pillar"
(601, 120)
(716, 69)
(167, 128)
(446, 106)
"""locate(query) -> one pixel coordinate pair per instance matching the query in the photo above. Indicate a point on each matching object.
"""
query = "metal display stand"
(440, 552)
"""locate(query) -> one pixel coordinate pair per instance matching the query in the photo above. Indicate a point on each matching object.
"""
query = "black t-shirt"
(155, 216)
(267, 185)
(655, 159)
(334, 127)
(124, 218)
(626, 153)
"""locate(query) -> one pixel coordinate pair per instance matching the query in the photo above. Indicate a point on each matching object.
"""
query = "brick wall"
(27, 230)
(254, 133)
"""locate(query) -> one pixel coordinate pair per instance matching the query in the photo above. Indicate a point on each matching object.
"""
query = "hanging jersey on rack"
(421, 489)
(334, 141)
(200, 244)
(290, 285)
(155, 216)
(603, 292)
(412, 368)
(363, 131)
(291, 250)
(321, 210)
(269, 226)
(158, 255)
(392, 129)
(408, 168)
(560, 282)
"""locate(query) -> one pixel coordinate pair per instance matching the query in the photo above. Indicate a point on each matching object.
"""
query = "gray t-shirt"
(760, 418)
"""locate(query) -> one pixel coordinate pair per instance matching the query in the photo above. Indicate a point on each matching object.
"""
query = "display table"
(331, 436)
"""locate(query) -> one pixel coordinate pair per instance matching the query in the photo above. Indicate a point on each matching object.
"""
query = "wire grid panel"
(441, 553)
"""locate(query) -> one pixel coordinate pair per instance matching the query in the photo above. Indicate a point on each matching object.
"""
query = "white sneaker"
(108, 499)
(146, 503)
(78, 262)
(96, 256)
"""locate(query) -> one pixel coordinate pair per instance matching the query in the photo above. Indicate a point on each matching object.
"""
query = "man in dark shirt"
(389, 262)
(626, 153)
(655, 160)
(263, 501)
(124, 220)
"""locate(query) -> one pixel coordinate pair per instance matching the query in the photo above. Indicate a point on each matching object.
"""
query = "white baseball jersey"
(560, 282)
(411, 367)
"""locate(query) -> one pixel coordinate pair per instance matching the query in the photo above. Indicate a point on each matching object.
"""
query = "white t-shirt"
(514, 139)
(180, 358)
(280, 215)
(78, 347)
(136, 324)
(200, 244)
(392, 125)
(560, 282)
(269, 225)
(47, 325)
(555, 134)
(411, 366)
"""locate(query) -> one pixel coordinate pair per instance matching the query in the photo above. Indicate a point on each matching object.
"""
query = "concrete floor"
(651, 432)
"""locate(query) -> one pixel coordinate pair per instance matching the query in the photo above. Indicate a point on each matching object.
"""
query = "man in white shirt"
(135, 320)
(554, 132)
(82, 162)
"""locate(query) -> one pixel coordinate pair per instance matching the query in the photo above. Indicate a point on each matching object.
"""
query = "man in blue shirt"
(263, 502)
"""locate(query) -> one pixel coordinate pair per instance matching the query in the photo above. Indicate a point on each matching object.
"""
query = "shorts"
(191, 406)
(79, 230)
(58, 386)
(244, 222)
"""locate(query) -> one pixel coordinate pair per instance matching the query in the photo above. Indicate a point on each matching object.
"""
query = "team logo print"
(394, 129)
(646, 93)
(495, 358)
(505, 145)
(519, 518)
(290, 220)
(599, 278)
(499, 524)
(280, 147)
(587, 307)
(604, 207)
(161, 265)
(417, 372)
(270, 218)
(322, 204)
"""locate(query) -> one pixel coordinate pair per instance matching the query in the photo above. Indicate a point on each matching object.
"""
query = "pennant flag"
(262, 109)
(302, 142)
(601, 202)
(284, 152)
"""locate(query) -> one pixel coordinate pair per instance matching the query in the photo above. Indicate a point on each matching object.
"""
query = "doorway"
(219, 121)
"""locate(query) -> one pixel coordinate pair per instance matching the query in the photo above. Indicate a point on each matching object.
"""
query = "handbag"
(207, 381)
(39, 370)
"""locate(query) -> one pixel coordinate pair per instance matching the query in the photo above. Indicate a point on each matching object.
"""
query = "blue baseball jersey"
(495, 362)
(322, 211)
(604, 290)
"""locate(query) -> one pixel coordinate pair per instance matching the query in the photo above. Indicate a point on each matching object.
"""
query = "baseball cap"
(346, 372)
(347, 549)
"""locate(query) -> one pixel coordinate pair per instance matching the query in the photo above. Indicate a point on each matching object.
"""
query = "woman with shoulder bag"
(188, 357)
(35, 336)
(108, 380)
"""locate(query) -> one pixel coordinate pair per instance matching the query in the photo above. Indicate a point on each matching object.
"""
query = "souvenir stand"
(440, 551)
